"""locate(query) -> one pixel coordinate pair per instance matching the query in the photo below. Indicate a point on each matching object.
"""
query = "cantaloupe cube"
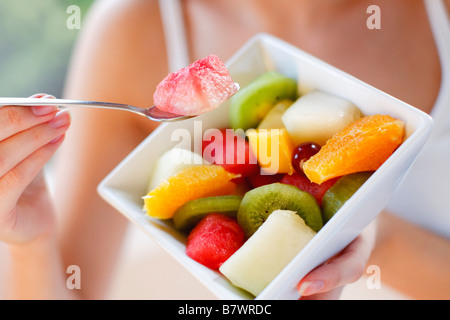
(273, 149)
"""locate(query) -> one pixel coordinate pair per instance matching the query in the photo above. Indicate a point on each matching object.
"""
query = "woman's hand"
(327, 281)
(29, 136)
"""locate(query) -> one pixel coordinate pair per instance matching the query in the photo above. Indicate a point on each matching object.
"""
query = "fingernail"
(57, 139)
(43, 110)
(310, 287)
(61, 119)
(37, 95)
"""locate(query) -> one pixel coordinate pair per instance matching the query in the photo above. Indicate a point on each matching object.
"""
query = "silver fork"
(152, 113)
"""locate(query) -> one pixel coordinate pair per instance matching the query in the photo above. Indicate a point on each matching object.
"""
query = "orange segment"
(189, 184)
(364, 145)
(227, 189)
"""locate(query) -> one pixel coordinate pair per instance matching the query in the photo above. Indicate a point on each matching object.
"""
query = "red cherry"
(302, 153)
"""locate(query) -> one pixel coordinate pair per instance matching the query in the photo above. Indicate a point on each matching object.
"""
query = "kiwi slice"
(260, 202)
(340, 192)
(190, 213)
(251, 104)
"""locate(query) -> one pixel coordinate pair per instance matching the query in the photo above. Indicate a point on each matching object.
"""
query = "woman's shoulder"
(124, 9)
(127, 18)
(123, 41)
(120, 53)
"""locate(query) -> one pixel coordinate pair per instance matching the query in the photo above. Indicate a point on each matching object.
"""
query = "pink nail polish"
(60, 120)
(43, 110)
(310, 287)
(37, 95)
(57, 139)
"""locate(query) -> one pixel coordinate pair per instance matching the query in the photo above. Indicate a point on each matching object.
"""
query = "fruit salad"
(262, 188)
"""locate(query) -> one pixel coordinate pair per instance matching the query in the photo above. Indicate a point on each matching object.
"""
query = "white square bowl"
(128, 182)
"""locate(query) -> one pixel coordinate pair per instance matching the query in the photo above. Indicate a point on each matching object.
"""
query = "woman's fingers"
(347, 267)
(18, 147)
(344, 269)
(17, 179)
(14, 119)
(16, 227)
(43, 110)
(29, 136)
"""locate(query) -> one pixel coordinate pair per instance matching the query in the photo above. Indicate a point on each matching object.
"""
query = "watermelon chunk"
(302, 182)
(214, 239)
(198, 88)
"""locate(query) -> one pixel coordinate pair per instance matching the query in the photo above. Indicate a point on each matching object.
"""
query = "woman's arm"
(36, 271)
(411, 259)
(120, 57)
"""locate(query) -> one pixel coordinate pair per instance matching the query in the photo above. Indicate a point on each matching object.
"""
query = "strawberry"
(214, 239)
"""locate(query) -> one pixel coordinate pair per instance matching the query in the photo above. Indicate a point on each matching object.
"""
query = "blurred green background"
(36, 45)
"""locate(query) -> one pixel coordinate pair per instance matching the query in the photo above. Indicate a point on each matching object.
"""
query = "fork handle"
(64, 103)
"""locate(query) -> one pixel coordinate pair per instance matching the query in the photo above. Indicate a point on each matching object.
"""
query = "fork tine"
(156, 114)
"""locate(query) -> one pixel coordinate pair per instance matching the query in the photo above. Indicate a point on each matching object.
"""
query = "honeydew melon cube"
(317, 116)
(267, 252)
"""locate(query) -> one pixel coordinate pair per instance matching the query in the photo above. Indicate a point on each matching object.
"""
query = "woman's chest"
(400, 58)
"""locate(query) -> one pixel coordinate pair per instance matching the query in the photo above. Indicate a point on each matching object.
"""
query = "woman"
(122, 56)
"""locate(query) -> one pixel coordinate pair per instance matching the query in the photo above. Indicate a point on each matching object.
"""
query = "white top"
(174, 33)
(422, 197)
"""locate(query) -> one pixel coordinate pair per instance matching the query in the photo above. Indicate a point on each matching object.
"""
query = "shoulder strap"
(175, 34)
(440, 26)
